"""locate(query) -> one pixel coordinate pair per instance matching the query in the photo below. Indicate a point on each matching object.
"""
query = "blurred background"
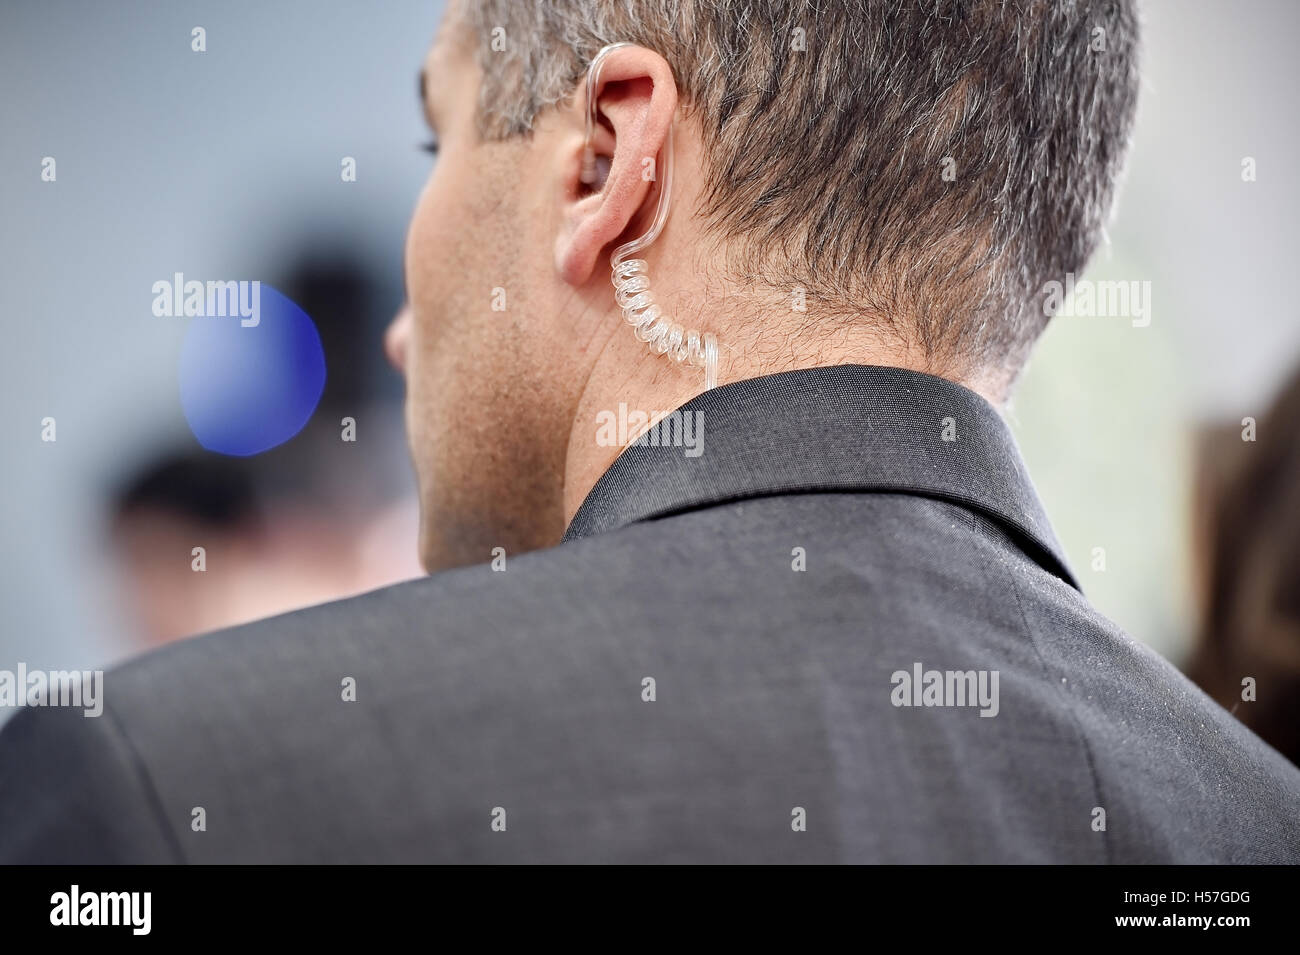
(226, 164)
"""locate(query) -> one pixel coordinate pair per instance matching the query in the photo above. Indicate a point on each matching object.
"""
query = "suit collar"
(847, 428)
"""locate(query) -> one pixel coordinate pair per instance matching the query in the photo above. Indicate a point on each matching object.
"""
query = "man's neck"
(613, 407)
(630, 387)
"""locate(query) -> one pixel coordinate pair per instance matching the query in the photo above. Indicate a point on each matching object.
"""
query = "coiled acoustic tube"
(631, 277)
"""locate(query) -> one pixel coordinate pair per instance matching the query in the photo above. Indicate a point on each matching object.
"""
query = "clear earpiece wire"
(630, 276)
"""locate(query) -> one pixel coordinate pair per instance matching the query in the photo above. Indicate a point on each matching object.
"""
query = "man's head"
(880, 181)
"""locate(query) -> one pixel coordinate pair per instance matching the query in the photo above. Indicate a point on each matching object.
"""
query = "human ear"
(607, 187)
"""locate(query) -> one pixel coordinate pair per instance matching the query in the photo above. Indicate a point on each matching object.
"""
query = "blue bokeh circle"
(247, 389)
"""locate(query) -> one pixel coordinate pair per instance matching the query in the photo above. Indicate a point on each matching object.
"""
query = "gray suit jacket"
(783, 649)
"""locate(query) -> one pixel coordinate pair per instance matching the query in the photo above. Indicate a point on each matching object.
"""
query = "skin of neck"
(754, 340)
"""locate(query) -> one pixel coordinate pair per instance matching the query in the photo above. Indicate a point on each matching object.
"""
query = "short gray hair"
(830, 127)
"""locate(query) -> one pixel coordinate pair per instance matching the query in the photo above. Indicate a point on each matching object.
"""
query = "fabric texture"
(706, 669)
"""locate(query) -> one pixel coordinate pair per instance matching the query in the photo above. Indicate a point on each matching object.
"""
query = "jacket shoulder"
(72, 790)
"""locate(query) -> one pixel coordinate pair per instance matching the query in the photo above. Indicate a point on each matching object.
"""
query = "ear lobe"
(636, 103)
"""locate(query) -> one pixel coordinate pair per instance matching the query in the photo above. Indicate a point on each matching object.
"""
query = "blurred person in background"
(1247, 522)
(167, 510)
(297, 525)
(264, 550)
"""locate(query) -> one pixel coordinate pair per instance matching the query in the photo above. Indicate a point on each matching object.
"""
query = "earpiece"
(630, 276)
